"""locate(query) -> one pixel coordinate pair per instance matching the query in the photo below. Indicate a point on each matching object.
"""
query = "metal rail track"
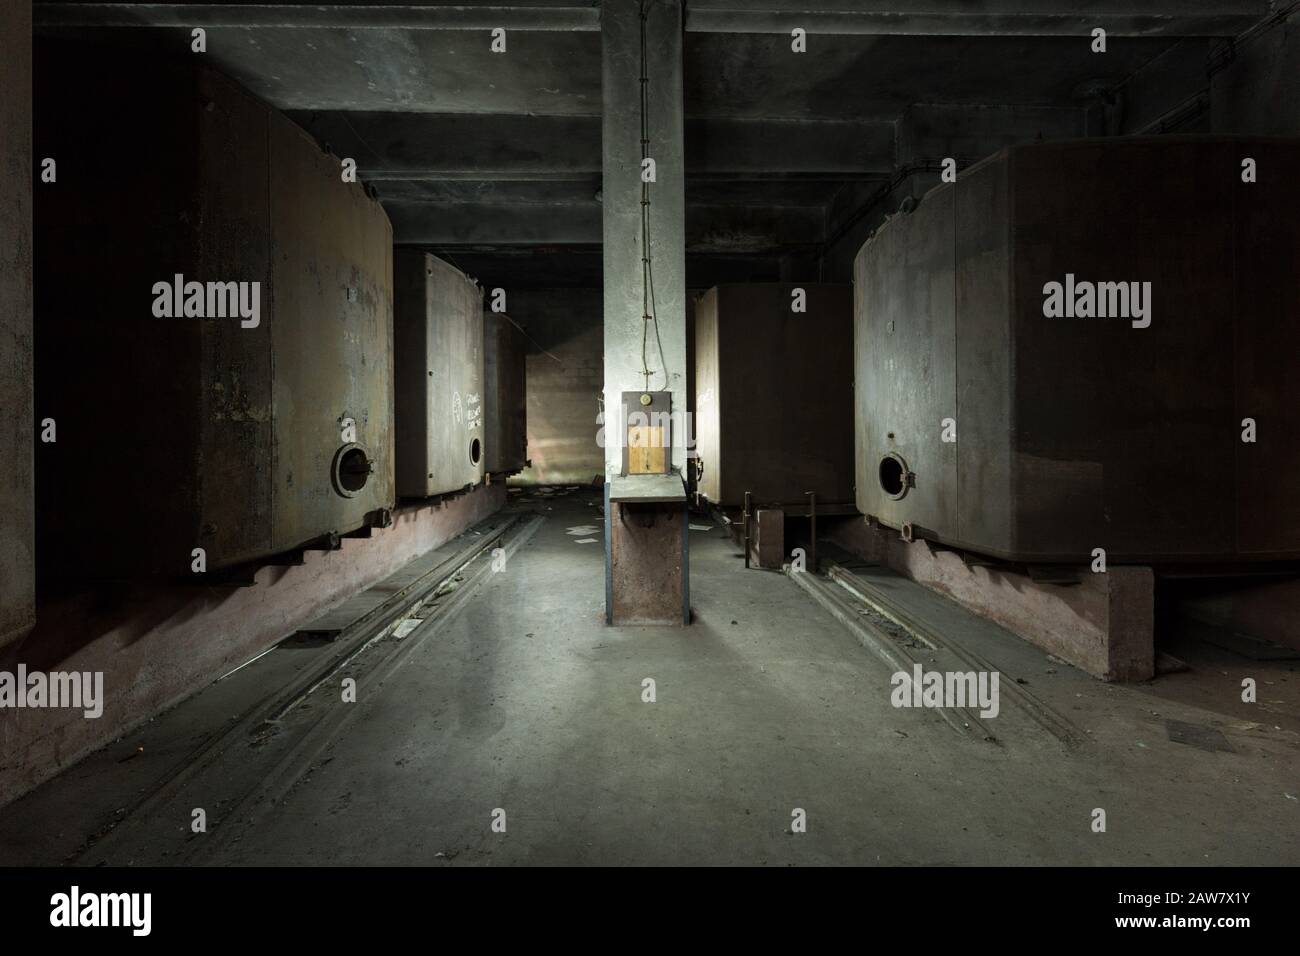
(1043, 714)
(964, 720)
(303, 754)
(363, 632)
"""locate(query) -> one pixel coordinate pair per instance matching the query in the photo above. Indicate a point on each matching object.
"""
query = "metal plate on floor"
(1200, 736)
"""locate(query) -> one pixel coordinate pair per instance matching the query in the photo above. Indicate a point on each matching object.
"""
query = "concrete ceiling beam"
(535, 17)
(519, 224)
(710, 227)
(1155, 18)
(414, 146)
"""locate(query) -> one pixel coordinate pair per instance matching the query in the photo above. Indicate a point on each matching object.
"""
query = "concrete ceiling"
(484, 153)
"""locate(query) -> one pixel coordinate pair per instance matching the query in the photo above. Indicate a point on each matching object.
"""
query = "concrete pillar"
(648, 577)
(17, 527)
(621, 202)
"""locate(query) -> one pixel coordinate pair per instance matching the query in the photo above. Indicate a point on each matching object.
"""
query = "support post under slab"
(644, 261)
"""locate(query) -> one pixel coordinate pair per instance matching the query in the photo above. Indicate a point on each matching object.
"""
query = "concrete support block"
(647, 563)
(1127, 649)
(767, 539)
(1103, 624)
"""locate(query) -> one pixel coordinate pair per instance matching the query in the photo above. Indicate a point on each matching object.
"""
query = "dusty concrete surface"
(526, 702)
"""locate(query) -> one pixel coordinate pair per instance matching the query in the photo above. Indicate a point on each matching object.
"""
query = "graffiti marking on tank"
(457, 415)
(473, 412)
(235, 405)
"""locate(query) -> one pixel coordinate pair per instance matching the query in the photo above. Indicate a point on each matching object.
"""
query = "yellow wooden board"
(646, 454)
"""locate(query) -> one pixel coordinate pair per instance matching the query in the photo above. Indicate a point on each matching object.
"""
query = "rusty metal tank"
(978, 317)
(773, 395)
(438, 332)
(505, 380)
(249, 414)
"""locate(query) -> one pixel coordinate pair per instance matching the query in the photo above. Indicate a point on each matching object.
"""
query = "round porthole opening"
(475, 451)
(352, 469)
(894, 476)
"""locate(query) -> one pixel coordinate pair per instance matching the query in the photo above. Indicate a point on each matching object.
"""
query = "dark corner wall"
(17, 547)
(565, 382)
(1247, 86)
(565, 327)
(1257, 91)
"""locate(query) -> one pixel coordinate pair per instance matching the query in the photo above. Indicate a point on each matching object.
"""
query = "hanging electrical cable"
(649, 311)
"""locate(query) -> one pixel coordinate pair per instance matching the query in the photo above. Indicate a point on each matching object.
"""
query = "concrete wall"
(1199, 85)
(17, 527)
(1263, 608)
(564, 387)
(927, 134)
(1253, 88)
(156, 645)
(1170, 94)
(1258, 92)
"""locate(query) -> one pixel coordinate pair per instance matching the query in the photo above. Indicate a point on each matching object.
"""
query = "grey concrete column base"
(648, 564)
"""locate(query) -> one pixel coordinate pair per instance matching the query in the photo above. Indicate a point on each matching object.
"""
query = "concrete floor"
(525, 701)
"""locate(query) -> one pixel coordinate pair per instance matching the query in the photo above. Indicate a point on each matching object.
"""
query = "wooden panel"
(647, 452)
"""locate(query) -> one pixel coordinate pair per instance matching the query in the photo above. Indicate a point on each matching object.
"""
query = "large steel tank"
(505, 379)
(773, 395)
(214, 315)
(1000, 411)
(439, 380)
